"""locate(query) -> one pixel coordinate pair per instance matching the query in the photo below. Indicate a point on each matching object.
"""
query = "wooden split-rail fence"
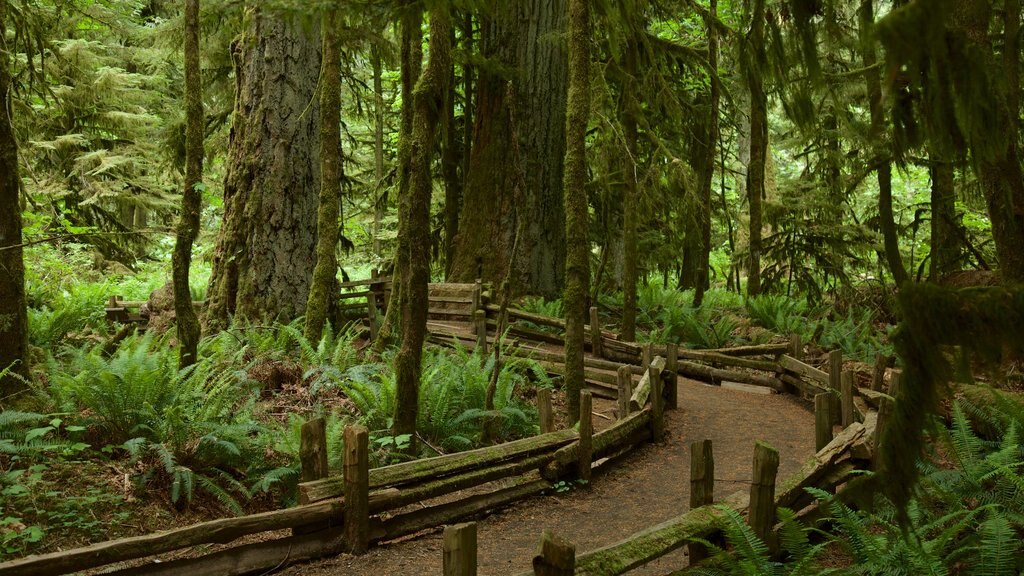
(363, 506)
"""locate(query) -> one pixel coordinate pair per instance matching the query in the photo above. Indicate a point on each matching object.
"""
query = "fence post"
(702, 487)
(356, 475)
(312, 456)
(586, 451)
(878, 374)
(313, 449)
(657, 404)
(647, 357)
(796, 348)
(557, 556)
(596, 338)
(371, 313)
(477, 298)
(895, 381)
(625, 379)
(762, 492)
(460, 550)
(822, 420)
(835, 382)
(547, 417)
(480, 325)
(886, 405)
(672, 379)
(847, 396)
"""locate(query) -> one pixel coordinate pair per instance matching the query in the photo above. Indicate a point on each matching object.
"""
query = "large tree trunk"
(522, 35)
(758, 146)
(450, 155)
(428, 100)
(263, 264)
(325, 273)
(995, 138)
(13, 307)
(703, 263)
(412, 59)
(191, 199)
(577, 261)
(872, 78)
(630, 106)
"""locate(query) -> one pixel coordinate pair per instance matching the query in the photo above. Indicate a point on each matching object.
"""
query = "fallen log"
(717, 375)
(722, 356)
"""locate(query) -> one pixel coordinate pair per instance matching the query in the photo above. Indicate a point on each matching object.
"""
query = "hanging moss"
(985, 321)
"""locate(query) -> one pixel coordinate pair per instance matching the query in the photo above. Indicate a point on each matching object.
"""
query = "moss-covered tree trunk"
(522, 38)
(992, 125)
(450, 155)
(13, 306)
(945, 228)
(577, 260)
(191, 198)
(428, 101)
(630, 258)
(758, 142)
(873, 80)
(707, 176)
(378, 66)
(324, 283)
(411, 32)
(266, 249)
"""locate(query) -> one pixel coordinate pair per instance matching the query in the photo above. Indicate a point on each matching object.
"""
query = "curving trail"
(647, 487)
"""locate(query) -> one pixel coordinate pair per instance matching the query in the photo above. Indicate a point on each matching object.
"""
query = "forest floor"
(645, 488)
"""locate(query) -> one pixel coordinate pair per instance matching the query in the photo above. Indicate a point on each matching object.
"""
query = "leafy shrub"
(453, 387)
(188, 429)
(750, 555)
(781, 314)
(63, 314)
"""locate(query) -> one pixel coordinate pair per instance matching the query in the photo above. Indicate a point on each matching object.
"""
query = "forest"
(262, 261)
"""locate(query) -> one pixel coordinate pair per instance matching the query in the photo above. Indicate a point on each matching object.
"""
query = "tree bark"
(703, 263)
(429, 101)
(872, 78)
(13, 305)
(412, 59)
(522, 36)
(265, 254)
(995, 143)
(758, 145)
(324, 284)
(629, 196)
(945, 240)
(577, 261)
(191, 197)
(378, 146)
(450, 171)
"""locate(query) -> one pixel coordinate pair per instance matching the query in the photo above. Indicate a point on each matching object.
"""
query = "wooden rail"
(343, 513)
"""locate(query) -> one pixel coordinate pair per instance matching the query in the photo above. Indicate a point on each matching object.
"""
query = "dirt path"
(649, 486)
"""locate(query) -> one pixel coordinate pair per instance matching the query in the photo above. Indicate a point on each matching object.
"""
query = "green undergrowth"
(222, 436)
